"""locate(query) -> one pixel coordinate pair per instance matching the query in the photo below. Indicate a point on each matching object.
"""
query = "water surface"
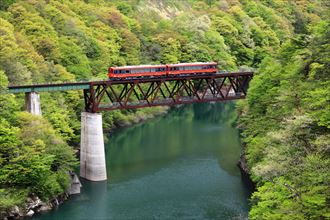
(180, 166)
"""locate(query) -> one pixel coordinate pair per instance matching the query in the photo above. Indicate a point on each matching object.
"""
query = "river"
(179, 166)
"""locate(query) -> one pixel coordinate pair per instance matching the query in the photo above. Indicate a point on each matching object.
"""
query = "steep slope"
(47, 40)
(286, 123)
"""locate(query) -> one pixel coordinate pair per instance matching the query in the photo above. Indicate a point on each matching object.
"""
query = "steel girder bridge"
(147, 92)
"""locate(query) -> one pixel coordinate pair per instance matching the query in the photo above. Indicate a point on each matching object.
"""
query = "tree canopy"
(285, 119)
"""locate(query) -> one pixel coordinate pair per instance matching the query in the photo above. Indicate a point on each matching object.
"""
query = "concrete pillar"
(32, 103)
(75, 184)
(92, 156)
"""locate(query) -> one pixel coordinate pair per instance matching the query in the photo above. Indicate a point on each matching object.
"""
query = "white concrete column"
(32, 103)
(92, 156)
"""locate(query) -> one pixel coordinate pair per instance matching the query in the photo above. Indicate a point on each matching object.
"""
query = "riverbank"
(33, 204)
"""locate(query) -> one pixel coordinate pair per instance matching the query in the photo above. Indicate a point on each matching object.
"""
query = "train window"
(116, 71)
(160, 69)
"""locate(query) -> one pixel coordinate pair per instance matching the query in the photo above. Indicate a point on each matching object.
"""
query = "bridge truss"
(148, 92)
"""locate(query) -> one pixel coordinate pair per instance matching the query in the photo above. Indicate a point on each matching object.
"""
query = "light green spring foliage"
(286, 123)
(68, 40)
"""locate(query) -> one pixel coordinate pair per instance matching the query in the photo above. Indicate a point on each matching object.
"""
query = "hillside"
(285, 119)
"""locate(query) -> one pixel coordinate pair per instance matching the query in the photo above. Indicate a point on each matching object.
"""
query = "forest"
(285, 120)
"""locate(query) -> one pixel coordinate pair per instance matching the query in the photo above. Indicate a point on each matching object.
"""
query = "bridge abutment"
(92, 155)
(32, 103)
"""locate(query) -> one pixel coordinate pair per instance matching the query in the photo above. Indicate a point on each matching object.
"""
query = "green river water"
(179, 166)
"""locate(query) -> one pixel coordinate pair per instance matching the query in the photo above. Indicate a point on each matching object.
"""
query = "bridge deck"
(52, 87)
(49, 87)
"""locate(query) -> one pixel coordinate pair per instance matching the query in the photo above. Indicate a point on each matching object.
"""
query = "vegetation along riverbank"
(285, 119)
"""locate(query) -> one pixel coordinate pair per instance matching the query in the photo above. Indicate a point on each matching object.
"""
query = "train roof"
(193, 64)
(164, 65)
(139, 66)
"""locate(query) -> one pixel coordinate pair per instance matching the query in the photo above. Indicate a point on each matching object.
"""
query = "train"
(162, 70)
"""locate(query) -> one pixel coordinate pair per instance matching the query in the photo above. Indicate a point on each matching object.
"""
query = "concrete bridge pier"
(32, 103)
(92, 156)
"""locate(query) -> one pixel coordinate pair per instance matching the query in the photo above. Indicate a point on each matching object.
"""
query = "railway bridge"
(130, 94)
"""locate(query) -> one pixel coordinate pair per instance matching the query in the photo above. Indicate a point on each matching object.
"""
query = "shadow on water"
(179, 166)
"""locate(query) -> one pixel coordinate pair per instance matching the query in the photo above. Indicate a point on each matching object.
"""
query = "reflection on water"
(180, 166)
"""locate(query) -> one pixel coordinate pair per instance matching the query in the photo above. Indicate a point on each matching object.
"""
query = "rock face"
(44, 208)
(30, 213)
(33, 205)
(15, 213)
(242, 164)
(33, 202)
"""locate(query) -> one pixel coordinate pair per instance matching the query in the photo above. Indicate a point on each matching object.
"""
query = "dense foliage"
(286, 117)
(286, 123)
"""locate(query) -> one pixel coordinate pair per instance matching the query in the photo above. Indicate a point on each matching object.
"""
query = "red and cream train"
(162, 70)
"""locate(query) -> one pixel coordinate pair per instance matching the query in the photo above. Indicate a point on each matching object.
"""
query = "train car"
(137, 71)
(162, 70)
(192, 68)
